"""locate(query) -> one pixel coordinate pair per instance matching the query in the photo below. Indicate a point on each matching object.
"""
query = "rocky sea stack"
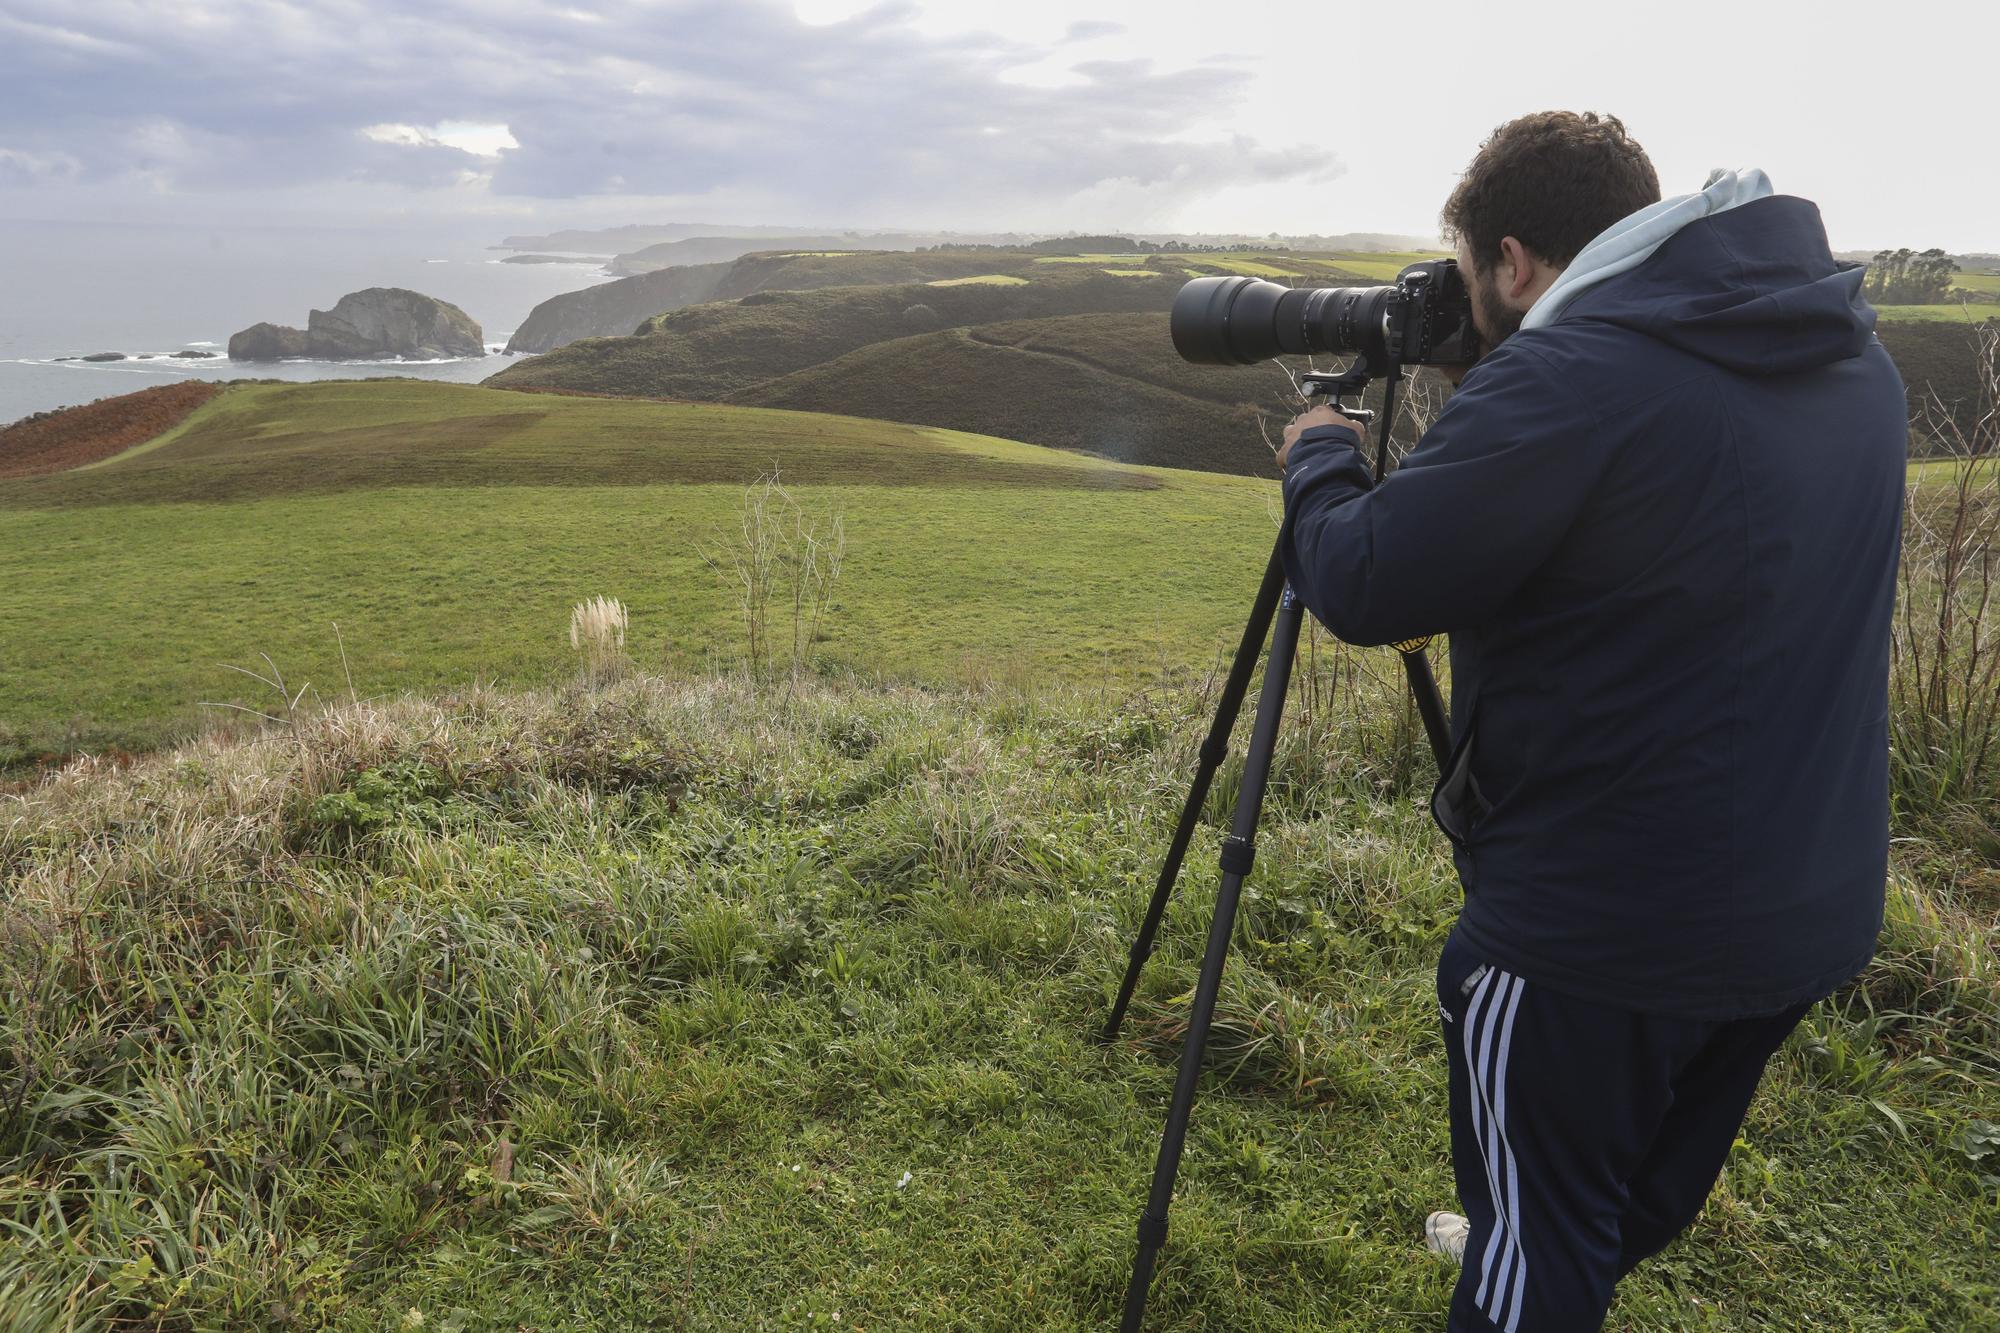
(267, 342)
(370, 325)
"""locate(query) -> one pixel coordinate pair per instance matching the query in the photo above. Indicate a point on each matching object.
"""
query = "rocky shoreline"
(185, 354)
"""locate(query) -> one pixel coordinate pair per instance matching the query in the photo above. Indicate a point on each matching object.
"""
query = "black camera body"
(1423, 319)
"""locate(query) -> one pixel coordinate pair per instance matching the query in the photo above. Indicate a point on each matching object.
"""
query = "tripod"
(1275, 604)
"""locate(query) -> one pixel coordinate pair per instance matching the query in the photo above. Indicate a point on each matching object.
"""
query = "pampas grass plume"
(599, 623)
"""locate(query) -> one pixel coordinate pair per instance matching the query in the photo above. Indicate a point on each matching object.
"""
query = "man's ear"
(1517, 269)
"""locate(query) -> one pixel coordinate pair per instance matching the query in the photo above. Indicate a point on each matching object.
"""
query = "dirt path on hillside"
(73, 436)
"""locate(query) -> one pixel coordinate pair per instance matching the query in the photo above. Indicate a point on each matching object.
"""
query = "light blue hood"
(1631, 240)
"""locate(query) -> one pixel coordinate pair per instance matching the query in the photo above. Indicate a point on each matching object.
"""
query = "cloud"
(864, 120)
(55, 38)
(478, 140)
(37, 168)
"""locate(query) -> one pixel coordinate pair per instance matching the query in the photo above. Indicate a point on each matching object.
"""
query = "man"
(1660, 521)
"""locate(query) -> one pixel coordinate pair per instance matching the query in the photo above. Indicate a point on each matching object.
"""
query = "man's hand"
(1305, 421)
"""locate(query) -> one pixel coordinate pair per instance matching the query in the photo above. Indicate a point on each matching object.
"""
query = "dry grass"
(73, 436)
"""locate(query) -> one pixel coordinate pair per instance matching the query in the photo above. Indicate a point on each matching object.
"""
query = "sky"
(1253, 116)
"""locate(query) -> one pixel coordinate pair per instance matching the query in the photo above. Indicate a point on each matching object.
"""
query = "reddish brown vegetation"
(57, 441)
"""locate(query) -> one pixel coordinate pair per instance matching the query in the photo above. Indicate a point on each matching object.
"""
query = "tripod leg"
(1238, 851)
(1213, 751)
(1430, 705)
(1423, 685)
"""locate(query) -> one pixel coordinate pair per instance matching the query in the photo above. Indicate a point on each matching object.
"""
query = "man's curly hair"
(1552, 180)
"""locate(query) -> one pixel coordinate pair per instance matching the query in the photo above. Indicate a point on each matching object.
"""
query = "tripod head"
(1332, 386)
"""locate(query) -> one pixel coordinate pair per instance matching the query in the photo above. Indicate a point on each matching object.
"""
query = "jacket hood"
(1746, 282)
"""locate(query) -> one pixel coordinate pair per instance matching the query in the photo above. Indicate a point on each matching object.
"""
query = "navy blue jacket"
(1662, 533)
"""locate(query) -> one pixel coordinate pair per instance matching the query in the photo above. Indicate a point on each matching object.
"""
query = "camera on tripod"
(1423, 319)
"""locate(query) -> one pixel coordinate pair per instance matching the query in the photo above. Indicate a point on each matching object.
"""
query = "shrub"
(780, 557)
(1945, 647)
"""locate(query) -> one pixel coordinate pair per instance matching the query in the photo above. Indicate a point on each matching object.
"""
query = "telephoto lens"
(1240, 321)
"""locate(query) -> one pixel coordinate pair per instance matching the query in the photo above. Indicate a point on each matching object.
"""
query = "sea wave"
(127, 367)
(398, 361)
(135, 361)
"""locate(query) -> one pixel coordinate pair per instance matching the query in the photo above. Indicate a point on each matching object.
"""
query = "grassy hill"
(448, 529)
(696, 1005)
(614, 307)
(707, 351)
(1109, 384)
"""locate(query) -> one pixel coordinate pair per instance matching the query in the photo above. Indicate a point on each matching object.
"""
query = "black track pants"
(1584, 1138)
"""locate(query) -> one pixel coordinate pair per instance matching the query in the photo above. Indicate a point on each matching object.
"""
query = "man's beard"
(1499, 323)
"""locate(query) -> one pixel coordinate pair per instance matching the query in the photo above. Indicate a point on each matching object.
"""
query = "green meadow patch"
(1248, 267)
(1088, 259)
(1953, 312)
(447, 530)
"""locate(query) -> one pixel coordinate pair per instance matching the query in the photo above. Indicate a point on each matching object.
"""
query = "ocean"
(75, 289)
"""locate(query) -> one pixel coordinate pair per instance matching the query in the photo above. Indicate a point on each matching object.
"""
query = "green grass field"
(1382, 267)
(1970, 312)
(1939, 472)
(448, 529)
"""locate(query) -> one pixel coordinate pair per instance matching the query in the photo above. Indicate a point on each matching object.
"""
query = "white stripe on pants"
(1491, 1016)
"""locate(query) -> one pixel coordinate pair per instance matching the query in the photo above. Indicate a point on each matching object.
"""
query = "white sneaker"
(1444, 1235)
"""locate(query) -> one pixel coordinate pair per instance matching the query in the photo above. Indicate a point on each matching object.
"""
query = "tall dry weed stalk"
(781, 560)
(1945, 646)
(597, 631)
